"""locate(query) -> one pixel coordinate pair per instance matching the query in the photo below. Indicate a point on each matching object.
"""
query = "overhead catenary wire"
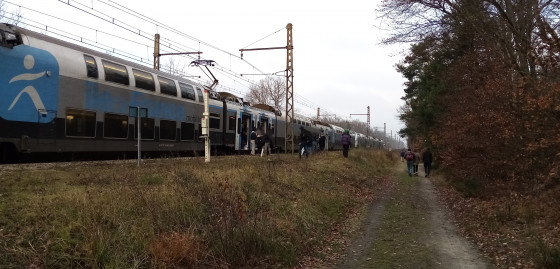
(77, 24)
(88, 42)
(173, 46)
(141, 60)
(264, 37)
(149, 20)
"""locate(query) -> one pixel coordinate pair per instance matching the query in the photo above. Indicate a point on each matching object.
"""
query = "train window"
(115, 126)
(215, 120)
(187, 131)
(231, 119)
(167, 130)
(80, 123)
(187, 91)
(147, 131)
(144, 80)
(91, 67)
(115, 73)
(167, 86)
(200, 97)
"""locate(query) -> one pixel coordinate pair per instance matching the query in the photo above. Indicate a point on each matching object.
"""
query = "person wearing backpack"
(409, 157)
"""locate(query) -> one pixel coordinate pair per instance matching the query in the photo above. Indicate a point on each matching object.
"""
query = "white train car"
(58, 97)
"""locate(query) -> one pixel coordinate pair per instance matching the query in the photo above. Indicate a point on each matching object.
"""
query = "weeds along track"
(234, 212)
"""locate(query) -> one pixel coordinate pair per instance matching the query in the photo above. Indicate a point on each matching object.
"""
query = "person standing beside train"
(253, 142)
(304, 136)
(267, 140)
(346, 141)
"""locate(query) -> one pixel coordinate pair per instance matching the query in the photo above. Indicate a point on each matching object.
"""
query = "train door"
(263, 125)
(244, 131)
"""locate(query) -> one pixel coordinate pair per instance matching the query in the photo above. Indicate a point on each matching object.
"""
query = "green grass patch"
(402, 231)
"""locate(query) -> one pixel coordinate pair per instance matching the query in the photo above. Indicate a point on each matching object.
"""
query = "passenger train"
(58, 97)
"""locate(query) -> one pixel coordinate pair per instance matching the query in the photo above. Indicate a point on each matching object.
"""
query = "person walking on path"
(416, 161)
(427, 158)
(253, 142)
(266, 147)
(346, 141)
(409, 157)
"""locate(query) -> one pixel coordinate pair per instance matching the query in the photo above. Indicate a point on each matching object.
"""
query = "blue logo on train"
(29, 80)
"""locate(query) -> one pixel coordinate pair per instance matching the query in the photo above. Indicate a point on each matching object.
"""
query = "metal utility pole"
(289, 142)
(289, 90)
(157, 54)
(368, 118)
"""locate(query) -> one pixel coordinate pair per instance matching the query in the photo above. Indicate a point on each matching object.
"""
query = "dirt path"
(408, 228)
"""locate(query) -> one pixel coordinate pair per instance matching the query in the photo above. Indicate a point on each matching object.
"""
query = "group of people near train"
(413, 159)
(261, 141)
(309, 143)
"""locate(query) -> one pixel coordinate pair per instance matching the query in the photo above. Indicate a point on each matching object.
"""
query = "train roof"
(50, 39)
(268, 108)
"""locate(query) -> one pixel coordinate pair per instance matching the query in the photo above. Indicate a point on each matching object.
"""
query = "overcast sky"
(339, 65)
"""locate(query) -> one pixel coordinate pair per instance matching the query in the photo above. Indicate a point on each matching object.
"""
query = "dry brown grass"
(241, 211)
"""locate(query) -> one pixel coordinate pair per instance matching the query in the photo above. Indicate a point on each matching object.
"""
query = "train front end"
(29, 87)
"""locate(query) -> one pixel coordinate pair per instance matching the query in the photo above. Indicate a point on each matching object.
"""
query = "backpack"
(409, 156)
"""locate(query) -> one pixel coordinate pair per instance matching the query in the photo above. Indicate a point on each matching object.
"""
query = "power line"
(126, 26)
(265, 37)
(149, 20)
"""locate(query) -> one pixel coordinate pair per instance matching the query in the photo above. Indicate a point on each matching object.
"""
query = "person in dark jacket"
(417, 158)
(427, 158)
(304, 137)
(346, 140)
(253, 142)
(267, 140)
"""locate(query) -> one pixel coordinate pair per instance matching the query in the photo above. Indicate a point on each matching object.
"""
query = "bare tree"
(523, 30)
(270, 91)
(173, 67)
(9, 17)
